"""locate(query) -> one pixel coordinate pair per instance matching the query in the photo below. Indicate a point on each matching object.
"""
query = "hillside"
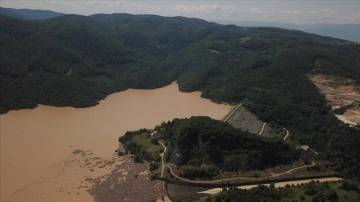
(349, 32)
(201, 140)
(29, 14)
(202, 147)
(76, 61)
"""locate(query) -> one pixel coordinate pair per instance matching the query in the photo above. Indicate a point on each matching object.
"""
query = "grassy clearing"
(277, 131)
(142, 147)
(144, 141)
(284, 168)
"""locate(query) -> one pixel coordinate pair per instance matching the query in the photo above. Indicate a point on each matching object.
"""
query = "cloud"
(293, 14)
(205, 8)
(108, 4)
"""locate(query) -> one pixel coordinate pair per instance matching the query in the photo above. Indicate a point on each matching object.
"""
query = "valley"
(72, 85)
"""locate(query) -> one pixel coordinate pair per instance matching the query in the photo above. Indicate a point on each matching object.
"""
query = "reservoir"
(35, 142)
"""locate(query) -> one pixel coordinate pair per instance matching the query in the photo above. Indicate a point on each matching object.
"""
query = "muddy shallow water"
(36, 141)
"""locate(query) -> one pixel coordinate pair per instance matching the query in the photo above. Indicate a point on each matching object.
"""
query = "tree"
(331, 195)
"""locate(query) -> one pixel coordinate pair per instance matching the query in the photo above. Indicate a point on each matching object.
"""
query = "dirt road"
(279, 184)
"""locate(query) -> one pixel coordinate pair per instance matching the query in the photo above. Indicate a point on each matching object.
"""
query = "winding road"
(162, 159)
(287, 134)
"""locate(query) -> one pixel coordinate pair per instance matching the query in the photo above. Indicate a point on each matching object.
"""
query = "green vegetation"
(201, 140)
(264, 68)
(139, 144)
(202, 147)
(29, 14)
(37, 55)
(202, 172)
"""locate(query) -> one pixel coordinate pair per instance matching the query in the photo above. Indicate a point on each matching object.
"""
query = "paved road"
(227, 117)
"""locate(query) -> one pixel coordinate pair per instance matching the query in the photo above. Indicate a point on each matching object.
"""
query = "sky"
(290, 11)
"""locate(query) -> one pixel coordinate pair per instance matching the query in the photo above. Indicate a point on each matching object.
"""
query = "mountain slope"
(201, 140)
(201, 147)
(76, 60)
(49, 50)
(29, 14)
(349, 32)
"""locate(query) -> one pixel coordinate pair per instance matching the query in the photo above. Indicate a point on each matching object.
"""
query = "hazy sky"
(294, 11)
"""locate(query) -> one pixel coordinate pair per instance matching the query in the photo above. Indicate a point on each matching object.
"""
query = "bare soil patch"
(343, 94)
(127, 182)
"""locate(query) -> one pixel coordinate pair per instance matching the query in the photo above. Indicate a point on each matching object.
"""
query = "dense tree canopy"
(203, 146)
(201, 140)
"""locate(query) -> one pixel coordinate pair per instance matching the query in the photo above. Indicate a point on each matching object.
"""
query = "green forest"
(204, 141)
(205, 146)
(75, 60)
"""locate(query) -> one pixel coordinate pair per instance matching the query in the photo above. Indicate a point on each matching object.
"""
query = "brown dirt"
(278, 184)
(128, 182)
(340, 92)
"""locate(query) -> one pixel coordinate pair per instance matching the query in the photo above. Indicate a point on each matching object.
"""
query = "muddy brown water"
(34, 140)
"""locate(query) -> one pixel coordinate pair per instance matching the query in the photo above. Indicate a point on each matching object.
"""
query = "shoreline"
(98, 102)
(33, 140)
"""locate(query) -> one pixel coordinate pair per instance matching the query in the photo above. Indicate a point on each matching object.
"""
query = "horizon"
(299, 13)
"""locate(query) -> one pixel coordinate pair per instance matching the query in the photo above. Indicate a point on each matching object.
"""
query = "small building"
(305, 147)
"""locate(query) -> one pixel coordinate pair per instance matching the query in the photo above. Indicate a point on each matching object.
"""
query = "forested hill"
(75, 61)
(29, 14)
(202, 141)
